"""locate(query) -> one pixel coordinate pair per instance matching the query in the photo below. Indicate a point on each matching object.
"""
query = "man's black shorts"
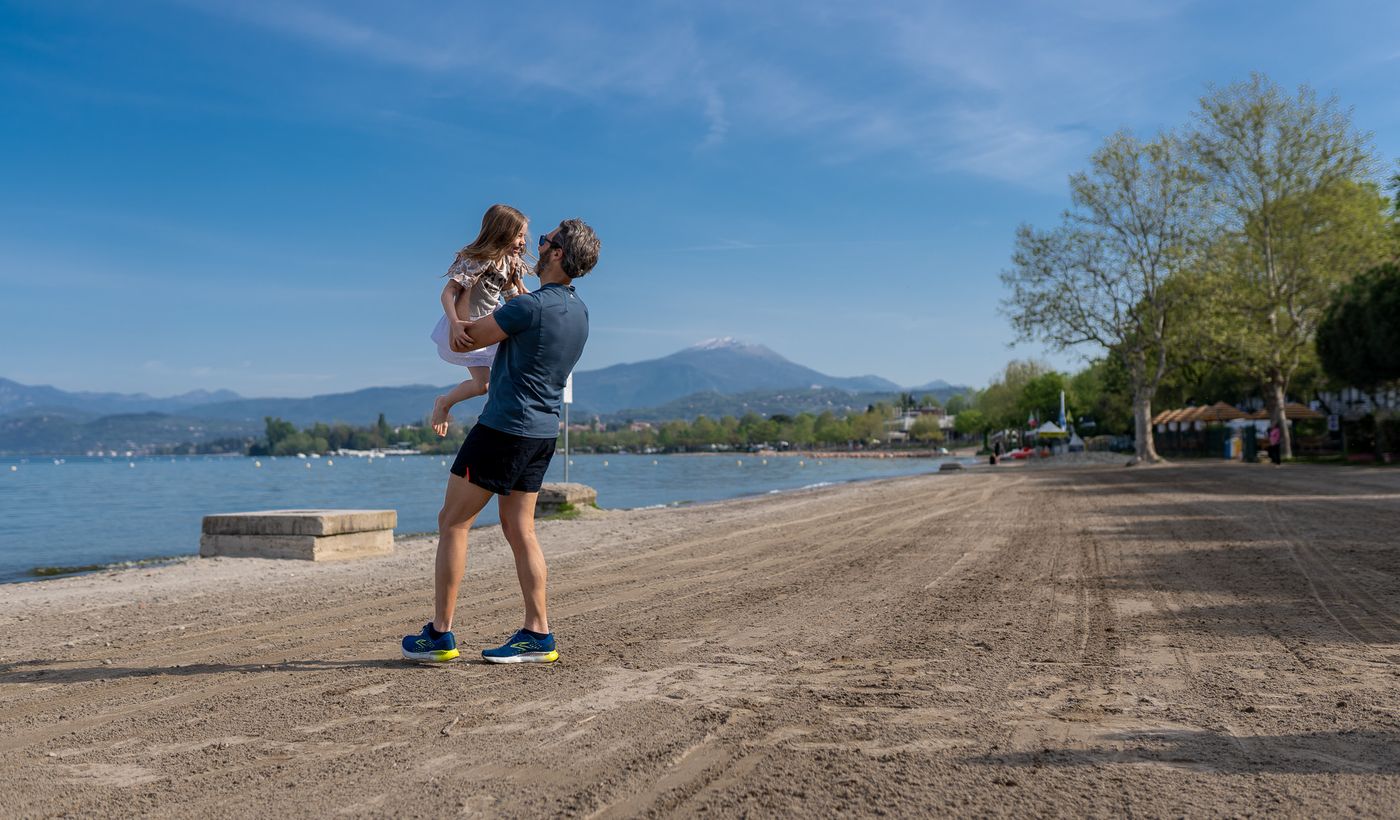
(501, 462)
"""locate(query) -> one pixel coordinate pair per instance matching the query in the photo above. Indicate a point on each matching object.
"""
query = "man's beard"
(539, 264)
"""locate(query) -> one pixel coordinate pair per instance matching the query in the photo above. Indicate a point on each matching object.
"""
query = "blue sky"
(262, 195)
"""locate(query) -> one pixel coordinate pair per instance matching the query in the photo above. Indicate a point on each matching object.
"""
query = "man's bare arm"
(484, 332)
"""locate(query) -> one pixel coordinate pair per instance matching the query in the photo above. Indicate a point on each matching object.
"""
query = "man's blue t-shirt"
(545, 334)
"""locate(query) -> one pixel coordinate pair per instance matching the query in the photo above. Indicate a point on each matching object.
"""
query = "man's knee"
(450, 518)
(517, 530)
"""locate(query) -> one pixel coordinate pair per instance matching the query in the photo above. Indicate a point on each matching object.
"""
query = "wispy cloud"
(951, 90)
(335, 31)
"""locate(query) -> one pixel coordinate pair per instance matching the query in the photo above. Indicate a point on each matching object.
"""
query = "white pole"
(568, 400)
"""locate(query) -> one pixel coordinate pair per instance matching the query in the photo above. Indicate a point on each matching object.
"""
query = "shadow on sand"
(57, 671)
(1341, 752)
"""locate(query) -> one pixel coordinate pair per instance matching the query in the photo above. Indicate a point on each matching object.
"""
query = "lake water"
(87, 511)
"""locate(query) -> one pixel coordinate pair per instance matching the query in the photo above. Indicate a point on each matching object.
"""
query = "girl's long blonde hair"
(500, 227)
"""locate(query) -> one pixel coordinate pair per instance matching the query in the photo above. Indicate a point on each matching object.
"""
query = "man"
(541, 336)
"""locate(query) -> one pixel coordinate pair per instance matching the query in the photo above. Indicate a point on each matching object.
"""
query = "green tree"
(800, 430)
(868, 425)
(1001, 401)
(957, 403)
(925, 429)
(703, 432)
(1102, 397)
(277, 431)
(1288, 173)
(971, 422)
(673, 435)
(1041, 397)
(830, 430)
(1104, 278)
(1359, 337)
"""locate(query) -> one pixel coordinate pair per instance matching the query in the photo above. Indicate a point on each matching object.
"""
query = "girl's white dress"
(487, 286)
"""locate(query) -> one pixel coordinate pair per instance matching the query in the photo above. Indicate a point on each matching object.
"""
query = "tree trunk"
(1146, 450)
(1274, 399)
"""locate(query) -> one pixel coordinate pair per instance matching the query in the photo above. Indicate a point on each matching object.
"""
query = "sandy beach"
(1207, 639)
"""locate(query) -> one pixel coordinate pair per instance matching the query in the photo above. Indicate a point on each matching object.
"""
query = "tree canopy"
(1359, 337)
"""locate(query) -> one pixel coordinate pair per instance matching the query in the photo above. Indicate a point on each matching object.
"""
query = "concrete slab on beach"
(1205, 639)
(309, 535)
(300, 522)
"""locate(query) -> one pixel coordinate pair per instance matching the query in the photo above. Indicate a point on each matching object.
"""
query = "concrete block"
(308, 535)
(554, 496)
(300, 547)
(300, 522)
(948, 466)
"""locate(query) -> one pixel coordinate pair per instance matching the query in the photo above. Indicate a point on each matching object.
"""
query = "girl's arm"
(450, 292)
(456, 326)
(515, 280)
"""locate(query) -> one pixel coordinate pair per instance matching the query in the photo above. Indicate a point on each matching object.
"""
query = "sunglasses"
(545, 240)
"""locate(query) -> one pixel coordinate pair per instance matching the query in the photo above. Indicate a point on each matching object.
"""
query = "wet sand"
(1208, 639)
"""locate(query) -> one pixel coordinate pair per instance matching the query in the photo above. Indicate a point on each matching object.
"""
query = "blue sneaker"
(424, 647)
(523, 648)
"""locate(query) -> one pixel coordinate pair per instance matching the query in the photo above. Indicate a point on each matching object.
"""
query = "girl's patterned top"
(487, 284)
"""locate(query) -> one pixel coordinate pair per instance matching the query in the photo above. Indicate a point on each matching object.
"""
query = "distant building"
(899, 426)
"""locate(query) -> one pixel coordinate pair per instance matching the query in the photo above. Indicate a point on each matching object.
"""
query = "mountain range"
(716, 365)
(18, 398)
(716, 377)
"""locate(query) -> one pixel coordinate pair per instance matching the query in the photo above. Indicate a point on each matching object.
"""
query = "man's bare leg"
(463, 502)
(518, 524)
(477, 385)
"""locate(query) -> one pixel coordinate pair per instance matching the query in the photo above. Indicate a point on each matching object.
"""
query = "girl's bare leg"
(471, 388)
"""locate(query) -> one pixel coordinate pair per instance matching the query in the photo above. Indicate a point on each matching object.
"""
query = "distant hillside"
(716, 378)
(764, 402)
(17, 398)
(62, 434)
(938, 388)
(723, 366)
(409, 404)
(767, 403)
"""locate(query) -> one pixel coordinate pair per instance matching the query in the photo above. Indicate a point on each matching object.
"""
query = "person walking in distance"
(1276, 445)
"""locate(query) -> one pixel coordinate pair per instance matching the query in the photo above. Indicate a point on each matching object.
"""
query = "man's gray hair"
(580, 245)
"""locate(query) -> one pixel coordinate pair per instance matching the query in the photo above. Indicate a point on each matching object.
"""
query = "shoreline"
(48, 573)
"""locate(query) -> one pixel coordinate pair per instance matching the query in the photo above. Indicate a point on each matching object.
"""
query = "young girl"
(483, 276)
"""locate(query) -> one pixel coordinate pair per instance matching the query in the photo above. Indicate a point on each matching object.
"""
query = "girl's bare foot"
(440, 418)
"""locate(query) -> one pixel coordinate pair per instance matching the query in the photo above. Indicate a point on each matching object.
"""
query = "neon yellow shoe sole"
(525, 657)
(435, 656)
